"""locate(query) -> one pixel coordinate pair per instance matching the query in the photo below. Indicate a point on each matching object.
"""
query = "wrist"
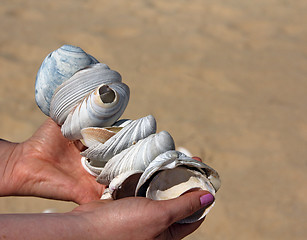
(8, 162)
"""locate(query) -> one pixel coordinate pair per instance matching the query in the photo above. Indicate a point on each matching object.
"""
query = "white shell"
(94, 171)
(129, 135)
(171, 160)
(76, 88)
(94, 111)
(77, 92)
(172, 174)
(57, 67)
(124, 185)
(92, 136)
(136, 157)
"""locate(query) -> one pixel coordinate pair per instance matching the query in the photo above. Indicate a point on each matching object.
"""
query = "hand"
(48, 165)
(127, 218)
(142, 218)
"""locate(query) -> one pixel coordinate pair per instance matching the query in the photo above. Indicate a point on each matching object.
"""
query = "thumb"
(185, 205)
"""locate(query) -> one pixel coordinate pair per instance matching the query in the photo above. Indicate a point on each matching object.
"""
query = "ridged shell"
(76, 88)
(136, 157)
(171, 160)
(95, 111)
(172, 174)
(129, 135)
(57, 67)
(78, 92)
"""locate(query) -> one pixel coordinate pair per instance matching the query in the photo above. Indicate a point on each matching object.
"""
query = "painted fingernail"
(197, 159)
(206, 199)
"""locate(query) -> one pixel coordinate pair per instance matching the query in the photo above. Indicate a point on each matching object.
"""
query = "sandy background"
(226, 78)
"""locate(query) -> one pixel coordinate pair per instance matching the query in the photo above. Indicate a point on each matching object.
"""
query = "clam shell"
(57, 67)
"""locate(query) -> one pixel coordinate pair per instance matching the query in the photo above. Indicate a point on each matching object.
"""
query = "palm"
(54, 167)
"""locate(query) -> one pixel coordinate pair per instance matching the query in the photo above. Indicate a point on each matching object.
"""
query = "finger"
(179, 231)
(185, 205)
(197, 159)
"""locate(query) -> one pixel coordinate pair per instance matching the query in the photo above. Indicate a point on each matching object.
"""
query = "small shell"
(57, 67)
(136, 157)
(106, 195)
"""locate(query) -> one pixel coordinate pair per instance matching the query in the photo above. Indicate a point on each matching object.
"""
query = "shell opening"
(127, 188)
(107, 95)
(173, 183)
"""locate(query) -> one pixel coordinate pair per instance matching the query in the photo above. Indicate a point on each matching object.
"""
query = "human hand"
(127, 218)
(49, 165)
(142, 218)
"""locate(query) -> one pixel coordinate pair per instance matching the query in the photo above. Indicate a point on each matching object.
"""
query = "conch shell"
(87, 98)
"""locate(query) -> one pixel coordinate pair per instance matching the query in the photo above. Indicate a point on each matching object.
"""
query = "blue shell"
(57, 67)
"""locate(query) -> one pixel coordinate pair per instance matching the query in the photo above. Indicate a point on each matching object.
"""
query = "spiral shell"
(78, 92)
(57, 67)
(136, 157)
(126, 137)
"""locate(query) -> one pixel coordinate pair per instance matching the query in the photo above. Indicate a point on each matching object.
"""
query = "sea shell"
(97, 109)
(92, 96)
(132, 132)
(172, 174)
(124, 185)
(136, 157)
(168, 176)
(87, 98)
(57, 67)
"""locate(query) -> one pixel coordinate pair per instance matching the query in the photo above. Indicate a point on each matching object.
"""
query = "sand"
(227, 79)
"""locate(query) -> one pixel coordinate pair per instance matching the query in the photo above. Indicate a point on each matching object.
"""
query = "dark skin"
(48, 165)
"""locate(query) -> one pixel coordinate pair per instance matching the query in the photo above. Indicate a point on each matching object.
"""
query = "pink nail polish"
(206, 200)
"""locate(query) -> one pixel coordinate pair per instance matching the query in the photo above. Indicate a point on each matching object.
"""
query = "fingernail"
(206, 200)
(197, 159)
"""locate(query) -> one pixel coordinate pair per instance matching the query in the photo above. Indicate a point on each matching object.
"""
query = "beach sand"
(227, 79)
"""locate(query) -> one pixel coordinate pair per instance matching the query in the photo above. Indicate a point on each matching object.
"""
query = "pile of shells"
(86, 98)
